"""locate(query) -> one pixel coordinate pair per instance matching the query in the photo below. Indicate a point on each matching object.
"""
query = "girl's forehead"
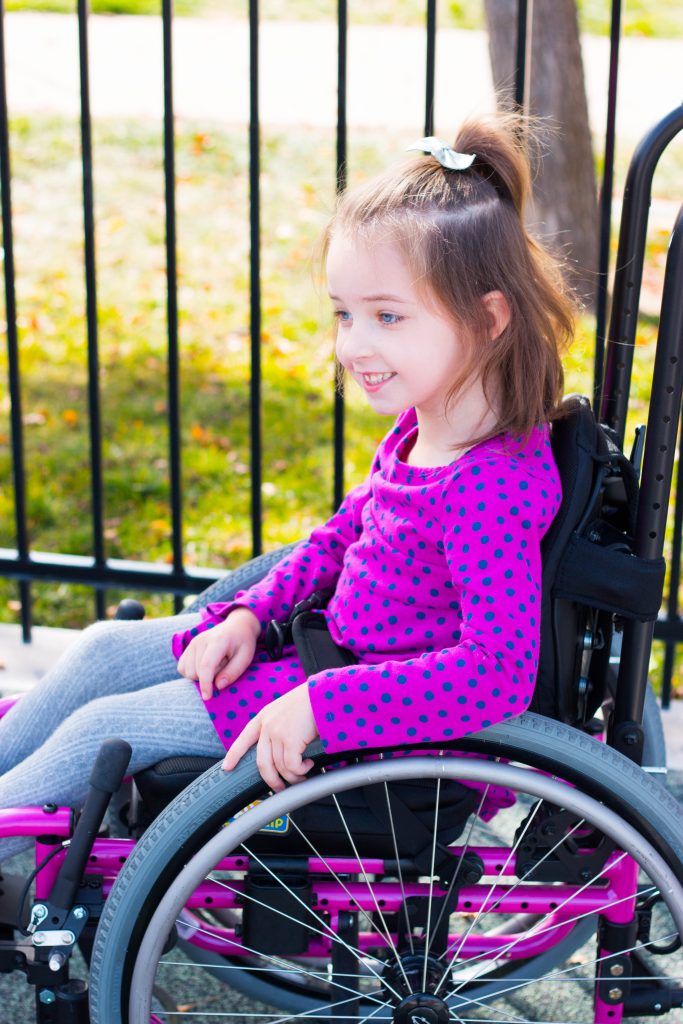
(367, 260)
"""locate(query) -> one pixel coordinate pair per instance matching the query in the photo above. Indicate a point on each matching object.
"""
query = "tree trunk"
(565, 207)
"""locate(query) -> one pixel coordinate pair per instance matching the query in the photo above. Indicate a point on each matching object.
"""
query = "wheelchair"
(531, 872)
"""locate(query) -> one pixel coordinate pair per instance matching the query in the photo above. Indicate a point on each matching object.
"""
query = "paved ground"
(385, 83)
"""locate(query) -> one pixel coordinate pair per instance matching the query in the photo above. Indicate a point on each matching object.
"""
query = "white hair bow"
(446, 156)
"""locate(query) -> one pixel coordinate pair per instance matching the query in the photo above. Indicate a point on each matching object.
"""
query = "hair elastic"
(446, 156)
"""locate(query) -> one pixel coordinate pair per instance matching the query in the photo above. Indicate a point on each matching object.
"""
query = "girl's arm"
(314, 564)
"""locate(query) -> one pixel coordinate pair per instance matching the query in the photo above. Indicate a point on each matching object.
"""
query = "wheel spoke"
(521, 983)
(286, 966)
(432, 868)
(464, 850)
(371, 891)
(329, 932)
(367, 916)
(474, 922)
(398, 864)
(536, 932)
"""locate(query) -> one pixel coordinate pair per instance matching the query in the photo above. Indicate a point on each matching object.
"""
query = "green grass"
(663, 18)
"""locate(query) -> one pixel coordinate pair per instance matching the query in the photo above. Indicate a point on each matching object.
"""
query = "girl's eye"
(342, 316)
(390, 318)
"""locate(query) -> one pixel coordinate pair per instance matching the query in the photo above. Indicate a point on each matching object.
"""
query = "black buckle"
(279, 632)
(276, 638)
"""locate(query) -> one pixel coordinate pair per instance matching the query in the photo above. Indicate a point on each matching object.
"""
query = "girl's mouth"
(374, 381)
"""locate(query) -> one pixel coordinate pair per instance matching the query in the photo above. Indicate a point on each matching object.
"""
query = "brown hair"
(463, 235)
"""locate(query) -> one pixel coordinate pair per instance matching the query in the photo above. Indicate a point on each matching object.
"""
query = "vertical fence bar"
(255, 277)
(431, 67)
(17, 425)
(606, 205)
(91, 305)
(674, 582)
(172, 299)
(521, 53)
(341, 177)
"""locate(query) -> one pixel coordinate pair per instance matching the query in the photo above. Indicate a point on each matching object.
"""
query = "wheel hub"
(421, 1008)
(408, 979)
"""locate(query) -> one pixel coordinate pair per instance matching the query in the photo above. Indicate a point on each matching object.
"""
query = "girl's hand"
(218, 656)
(281, 731)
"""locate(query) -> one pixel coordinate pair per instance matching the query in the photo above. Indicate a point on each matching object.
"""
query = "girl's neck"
(444, 438)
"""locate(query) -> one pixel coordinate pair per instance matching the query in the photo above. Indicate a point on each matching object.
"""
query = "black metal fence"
(26, 565)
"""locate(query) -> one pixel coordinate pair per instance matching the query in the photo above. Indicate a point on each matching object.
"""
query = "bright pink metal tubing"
(34, 821)
(6, 703)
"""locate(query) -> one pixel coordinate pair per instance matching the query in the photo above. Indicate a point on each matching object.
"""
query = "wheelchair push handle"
(106, 777)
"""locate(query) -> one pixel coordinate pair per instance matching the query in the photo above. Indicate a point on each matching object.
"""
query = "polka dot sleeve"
(314, 564)
(492, 516)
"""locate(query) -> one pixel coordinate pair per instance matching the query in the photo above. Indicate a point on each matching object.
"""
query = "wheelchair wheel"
(473, 937)
(253, 571)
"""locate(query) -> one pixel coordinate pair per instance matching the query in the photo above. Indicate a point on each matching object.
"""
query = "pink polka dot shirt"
(437, 577)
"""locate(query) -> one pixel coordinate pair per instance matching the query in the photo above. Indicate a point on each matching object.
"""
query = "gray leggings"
(118, 679)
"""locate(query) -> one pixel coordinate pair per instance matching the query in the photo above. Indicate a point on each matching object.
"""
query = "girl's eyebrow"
(376, 298)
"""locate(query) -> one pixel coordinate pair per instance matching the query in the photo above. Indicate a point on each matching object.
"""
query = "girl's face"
(400, 348)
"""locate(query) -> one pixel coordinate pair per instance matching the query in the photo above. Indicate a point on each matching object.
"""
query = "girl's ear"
(498, 312)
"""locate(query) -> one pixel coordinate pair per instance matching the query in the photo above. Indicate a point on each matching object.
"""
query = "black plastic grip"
(106, 777)
(110, 765)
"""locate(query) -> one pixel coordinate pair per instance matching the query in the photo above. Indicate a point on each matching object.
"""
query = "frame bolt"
(46, 996)
(57, 961)
(615, 993)
(79, 913)
(616, 970)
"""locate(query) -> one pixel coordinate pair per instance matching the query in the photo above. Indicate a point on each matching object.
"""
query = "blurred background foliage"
(213, 297)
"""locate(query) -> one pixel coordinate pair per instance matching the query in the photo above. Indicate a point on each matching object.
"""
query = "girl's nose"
(353, 342)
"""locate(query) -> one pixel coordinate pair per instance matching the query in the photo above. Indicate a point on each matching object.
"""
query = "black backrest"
(591, 579)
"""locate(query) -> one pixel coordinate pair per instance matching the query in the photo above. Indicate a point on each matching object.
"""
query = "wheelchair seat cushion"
(161, 782)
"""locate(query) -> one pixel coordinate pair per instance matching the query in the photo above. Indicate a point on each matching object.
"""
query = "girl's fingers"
(246, 739)
(236, 665)
(285, 764)
(266, 765)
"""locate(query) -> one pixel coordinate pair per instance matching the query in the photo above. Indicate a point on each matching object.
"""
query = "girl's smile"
(374, 381)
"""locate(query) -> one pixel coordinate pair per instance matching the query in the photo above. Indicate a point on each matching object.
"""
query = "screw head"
(615, 993)
(79, 913)
(46, 996)
(616, 970)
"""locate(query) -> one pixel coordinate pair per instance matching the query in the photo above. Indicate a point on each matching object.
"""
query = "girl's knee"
(101, 642)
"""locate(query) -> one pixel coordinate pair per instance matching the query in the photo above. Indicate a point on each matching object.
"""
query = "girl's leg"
(108, 658)
(157, 721)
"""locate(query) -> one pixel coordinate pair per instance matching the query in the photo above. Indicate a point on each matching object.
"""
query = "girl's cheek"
(339, 350)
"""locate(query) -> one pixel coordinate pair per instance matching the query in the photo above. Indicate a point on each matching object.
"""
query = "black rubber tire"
(185, 826)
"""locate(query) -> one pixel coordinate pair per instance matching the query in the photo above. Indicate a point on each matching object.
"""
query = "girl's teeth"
(377, 378)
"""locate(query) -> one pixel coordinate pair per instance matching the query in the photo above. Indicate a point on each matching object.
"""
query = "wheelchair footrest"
(271, 917)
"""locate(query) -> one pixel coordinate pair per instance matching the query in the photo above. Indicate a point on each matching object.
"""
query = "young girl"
(451, 319)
